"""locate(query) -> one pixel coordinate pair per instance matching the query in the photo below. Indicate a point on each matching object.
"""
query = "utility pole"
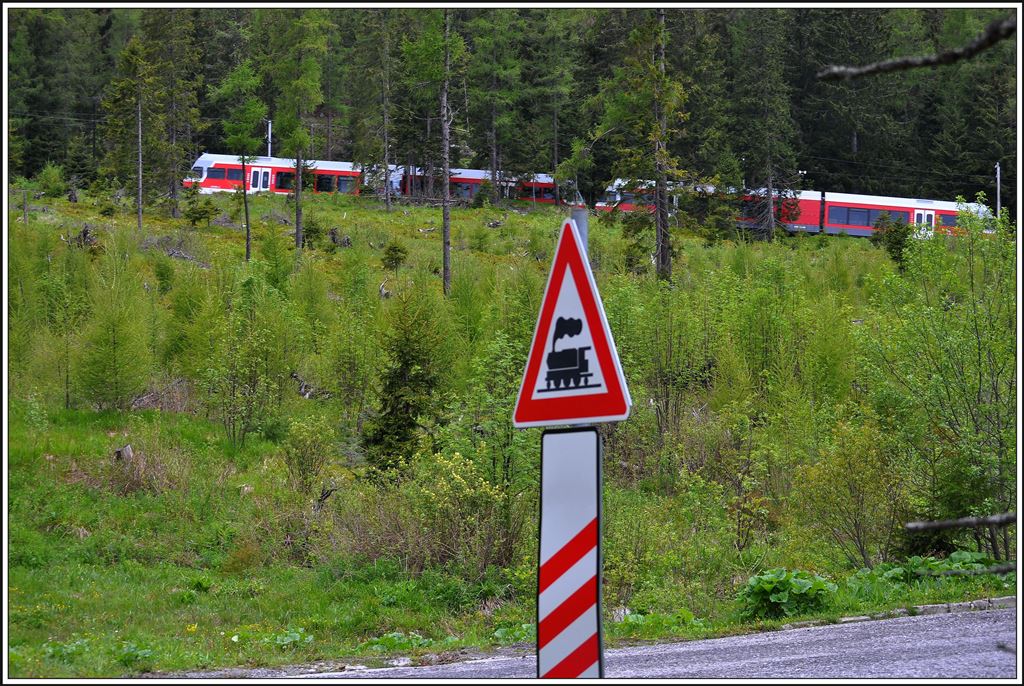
(270, 127)
(998, 188)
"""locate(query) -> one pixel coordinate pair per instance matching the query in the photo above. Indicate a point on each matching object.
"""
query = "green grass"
(151, 585)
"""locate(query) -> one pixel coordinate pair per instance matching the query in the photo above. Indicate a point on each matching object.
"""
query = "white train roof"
(209, 158)
(852, 198)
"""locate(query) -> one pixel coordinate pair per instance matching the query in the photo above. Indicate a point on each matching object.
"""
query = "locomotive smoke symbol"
(568, 368)
(566, 327)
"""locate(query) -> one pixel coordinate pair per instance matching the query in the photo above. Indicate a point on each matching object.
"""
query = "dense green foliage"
(778, 592)
(795, 404)
(531, 88)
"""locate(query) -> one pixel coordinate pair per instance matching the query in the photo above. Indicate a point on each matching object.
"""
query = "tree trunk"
(663, 245)
(428, 166)
(494, 153)
(494, 134)
(245, 204)
(386, 105)
(554, 154)
(174, 170)
(298, 202)
(446, 211)
(328, 147)
(138, 186)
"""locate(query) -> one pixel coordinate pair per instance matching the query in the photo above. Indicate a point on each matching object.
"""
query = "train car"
(812, 211)
(541, 188)
(619, 195)
(857, 214)
(466, 183)
(215, 173)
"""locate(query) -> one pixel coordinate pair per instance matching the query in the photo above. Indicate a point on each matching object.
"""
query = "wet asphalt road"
(963, 645)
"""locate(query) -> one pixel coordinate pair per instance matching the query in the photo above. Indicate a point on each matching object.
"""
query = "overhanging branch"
(1001, 519)
(998, 30)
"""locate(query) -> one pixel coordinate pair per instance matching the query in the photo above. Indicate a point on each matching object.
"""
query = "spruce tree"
(177, 62)
(115, 360)
(240, 127)
(410, 378)
(493, 79)
(763, 123)
(135, 122)
(298, 43)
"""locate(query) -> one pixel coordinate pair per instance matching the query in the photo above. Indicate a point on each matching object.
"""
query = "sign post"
(572, 377)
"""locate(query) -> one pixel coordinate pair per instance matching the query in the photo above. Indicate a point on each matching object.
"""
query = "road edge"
(1000, 603)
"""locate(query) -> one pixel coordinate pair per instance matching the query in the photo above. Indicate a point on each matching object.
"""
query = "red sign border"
(610, 406)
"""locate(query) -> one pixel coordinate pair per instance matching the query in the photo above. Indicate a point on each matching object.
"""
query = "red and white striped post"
(569, 640)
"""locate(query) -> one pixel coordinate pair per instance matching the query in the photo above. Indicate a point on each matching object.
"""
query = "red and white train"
(807, 211)
(813, 211)
(215, 173)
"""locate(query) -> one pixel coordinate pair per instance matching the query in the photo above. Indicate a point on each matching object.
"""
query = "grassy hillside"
(341, 524)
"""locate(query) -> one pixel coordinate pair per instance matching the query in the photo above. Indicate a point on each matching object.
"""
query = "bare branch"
(997, 520)
(1005, 568)
(998, 30)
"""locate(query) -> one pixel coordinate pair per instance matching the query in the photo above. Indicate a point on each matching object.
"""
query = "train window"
(234, 174)
(266, 180)
(948, 219)
(609, 197)
(255, 180)
(196, 173)
(837, 215)
(857, 217)
(547, 193)
(346, 184)
(894, 215)
(214, 173)
(324, 183)
(627, 197)
(285, 180)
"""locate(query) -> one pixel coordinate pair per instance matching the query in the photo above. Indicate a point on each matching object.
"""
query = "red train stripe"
(559, 563)
(577, 662)
(568, 612)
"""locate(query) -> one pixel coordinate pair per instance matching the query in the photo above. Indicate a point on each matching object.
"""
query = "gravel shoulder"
(975, 639)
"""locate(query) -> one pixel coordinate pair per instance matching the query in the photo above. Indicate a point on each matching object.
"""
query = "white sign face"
(568, 581)
(569, 367)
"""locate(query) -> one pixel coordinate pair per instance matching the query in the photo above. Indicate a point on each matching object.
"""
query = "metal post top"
(581, 215)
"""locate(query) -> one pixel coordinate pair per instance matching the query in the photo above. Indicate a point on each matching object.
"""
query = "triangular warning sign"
(572, 375)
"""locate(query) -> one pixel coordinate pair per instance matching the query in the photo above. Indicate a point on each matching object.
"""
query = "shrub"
(163, 269)
(115, 358)
(779, 592)
(200, 210)
(854, 495)
(394, 256)
(483, 195)
(51, 180)
(312, 230)
(307, 449)
(893, 236)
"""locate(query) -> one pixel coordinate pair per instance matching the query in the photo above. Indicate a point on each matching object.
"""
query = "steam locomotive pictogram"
(568, 368)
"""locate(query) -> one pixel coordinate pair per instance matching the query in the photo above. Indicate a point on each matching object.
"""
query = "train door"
(259, 179)
(925, 220)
